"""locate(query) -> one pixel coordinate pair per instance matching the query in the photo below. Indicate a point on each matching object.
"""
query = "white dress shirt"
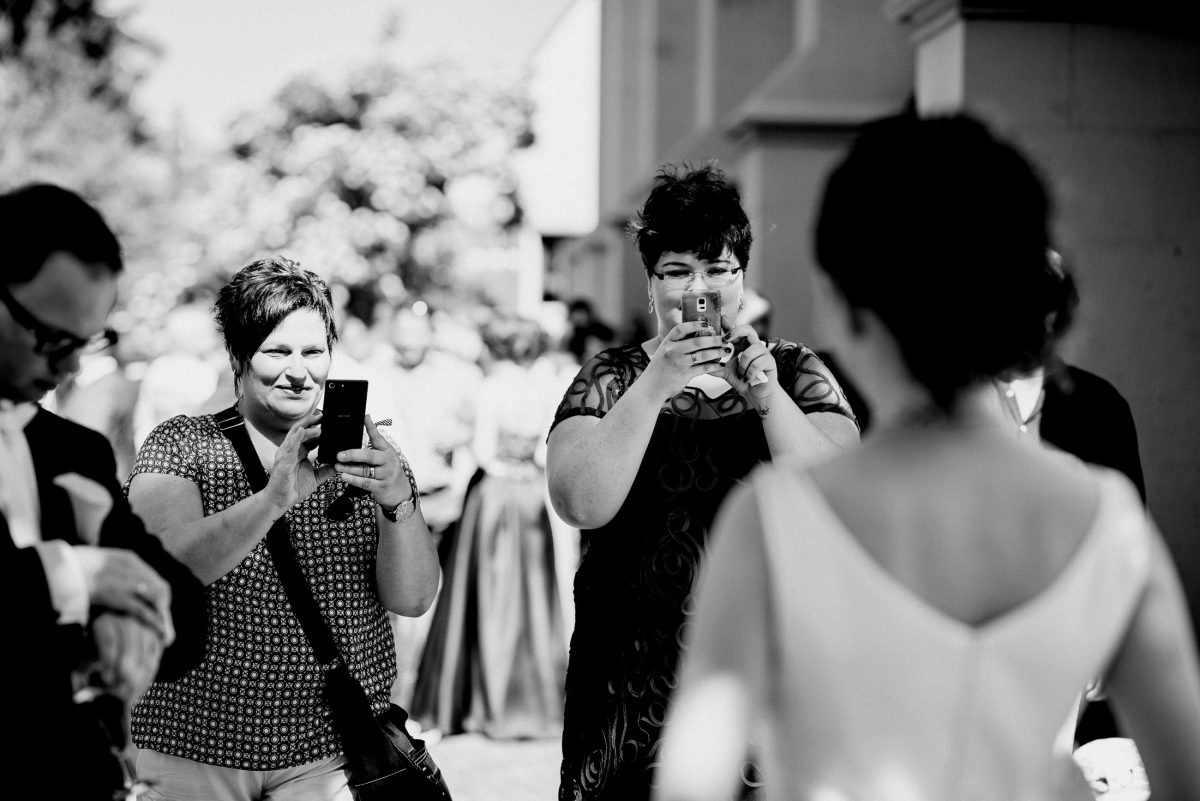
(22, 512)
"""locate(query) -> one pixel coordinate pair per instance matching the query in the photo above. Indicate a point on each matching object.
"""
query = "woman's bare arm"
(211, 546)
(1154, 684)
(724, 667)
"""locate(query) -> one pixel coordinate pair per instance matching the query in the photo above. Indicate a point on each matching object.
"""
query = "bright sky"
(222, 56)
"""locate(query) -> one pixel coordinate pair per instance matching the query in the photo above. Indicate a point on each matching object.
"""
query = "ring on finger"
(693, 358)
(371, 471)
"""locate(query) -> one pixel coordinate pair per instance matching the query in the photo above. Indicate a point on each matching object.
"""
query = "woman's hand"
(376, 469)
(292, 477)
(752, 371)
(688, 350)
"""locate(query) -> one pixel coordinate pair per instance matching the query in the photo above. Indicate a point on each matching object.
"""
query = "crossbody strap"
(280, 545)
(234, 428)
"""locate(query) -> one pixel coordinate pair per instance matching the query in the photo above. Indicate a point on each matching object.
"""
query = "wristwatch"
(401, 511)
(405, 509)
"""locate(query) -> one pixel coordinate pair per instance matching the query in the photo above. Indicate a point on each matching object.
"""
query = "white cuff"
(68, 585)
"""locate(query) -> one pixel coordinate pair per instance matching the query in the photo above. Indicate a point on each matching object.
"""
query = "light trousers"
(173, 778)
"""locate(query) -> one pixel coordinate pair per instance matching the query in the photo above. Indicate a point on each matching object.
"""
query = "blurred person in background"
(185, 375)
(431, 393)
(925, 631)
(96, 607)
(495, 659)
(436, 391)
(251, 721)
(101, 396)
(648, 439)
(364, 353)
(588, 333)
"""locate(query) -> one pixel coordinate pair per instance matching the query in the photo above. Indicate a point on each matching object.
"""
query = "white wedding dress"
(875, 695)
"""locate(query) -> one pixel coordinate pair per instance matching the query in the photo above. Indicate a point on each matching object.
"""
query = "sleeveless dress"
(634, 583)
(875, 695)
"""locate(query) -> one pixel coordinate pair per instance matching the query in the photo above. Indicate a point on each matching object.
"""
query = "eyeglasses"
(54, 343)
(681, 278)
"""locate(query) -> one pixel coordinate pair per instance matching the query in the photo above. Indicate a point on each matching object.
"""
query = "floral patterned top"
(255, 701)
(634, 584)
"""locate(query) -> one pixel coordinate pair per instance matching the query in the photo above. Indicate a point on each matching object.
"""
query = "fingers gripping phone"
(342, 413)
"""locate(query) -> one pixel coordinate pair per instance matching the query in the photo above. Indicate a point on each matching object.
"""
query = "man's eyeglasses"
(681, 277)
(54, 343)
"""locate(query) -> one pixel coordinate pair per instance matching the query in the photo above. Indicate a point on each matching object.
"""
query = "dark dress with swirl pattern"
(634, 584)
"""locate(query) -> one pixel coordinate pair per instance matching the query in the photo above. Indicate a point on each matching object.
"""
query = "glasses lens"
(682, 279)
(62, 348)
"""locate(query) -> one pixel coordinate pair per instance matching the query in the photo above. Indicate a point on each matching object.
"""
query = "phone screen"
(702, 305)
(343, 409)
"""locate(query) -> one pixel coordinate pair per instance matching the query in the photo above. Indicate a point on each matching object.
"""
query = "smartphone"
(343, 410)
(702, 305)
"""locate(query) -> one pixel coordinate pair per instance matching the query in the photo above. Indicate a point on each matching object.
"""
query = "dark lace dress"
(634, 584)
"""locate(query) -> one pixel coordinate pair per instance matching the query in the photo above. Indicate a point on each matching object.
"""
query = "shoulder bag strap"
(234, 428)
(279, 543)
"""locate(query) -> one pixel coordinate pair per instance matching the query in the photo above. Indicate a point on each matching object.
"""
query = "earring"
(741, 302)
(650, 305)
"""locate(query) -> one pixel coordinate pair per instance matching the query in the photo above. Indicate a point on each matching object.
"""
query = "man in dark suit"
(1085, 415)
(94, 606)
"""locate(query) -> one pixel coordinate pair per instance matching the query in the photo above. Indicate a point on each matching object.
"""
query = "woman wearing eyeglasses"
(646, 443)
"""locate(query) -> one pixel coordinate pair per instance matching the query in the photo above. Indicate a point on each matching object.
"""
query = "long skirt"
(495, 658)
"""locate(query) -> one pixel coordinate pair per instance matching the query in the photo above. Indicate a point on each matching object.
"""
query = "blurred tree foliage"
(67, 74)
(395, 178)
(386, 175)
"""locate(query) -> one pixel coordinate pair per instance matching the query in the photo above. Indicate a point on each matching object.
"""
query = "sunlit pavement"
(480, 769)
(1114, 769)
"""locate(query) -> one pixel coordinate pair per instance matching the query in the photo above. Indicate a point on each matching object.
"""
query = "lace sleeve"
(809, 381)
(598, 385)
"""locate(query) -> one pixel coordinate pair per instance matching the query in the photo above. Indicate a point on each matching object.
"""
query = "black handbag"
(385, 762)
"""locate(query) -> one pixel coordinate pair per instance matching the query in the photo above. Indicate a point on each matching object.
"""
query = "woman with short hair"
(648, 439)
(251, 721)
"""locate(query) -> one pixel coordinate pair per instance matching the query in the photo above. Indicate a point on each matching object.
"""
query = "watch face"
(401, 511)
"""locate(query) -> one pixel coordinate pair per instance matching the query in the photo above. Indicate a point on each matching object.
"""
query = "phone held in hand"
(702, 305)
(342, 413)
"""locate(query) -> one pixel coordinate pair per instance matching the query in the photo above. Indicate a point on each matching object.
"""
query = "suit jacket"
(1084, 415)
(59, 751)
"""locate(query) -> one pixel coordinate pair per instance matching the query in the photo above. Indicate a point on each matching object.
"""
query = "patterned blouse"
(255, 701)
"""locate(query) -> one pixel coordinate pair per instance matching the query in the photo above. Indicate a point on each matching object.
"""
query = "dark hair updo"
(942, 231)
(692, 210)
(258, 298)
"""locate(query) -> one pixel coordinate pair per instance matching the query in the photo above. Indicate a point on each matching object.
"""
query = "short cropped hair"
(692, 210)
(38, 220)
(258, 298)
(942, 230)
